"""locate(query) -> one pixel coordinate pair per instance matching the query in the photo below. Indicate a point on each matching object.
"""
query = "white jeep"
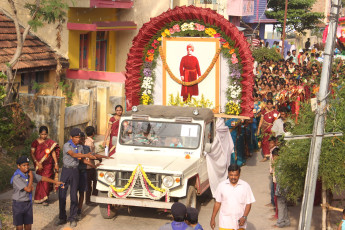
(159, 159)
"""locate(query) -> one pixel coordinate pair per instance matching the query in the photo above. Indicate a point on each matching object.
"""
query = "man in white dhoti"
(218, 160)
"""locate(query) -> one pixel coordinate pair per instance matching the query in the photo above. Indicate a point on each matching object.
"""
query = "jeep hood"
(151, 163)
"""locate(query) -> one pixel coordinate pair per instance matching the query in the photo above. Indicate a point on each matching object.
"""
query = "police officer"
(72, 153)
(22, 180)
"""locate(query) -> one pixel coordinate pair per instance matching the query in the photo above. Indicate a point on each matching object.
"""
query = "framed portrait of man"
(188, 59)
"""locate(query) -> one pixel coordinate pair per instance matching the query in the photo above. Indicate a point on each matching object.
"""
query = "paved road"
(255, 173)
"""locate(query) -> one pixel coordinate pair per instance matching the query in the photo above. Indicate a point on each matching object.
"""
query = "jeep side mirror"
(208, 147)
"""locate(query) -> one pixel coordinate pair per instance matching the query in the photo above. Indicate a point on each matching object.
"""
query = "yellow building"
(92, 42)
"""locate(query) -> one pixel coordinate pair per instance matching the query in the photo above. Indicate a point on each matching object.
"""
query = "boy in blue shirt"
(192, 218)
(22, 180)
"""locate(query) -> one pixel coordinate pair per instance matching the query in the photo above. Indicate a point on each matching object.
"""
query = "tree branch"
(20, 38)
(17, 54)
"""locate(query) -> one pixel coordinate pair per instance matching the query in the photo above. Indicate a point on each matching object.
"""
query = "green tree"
(40, 12)
(262, 53)
(299, 15)
(292, 163)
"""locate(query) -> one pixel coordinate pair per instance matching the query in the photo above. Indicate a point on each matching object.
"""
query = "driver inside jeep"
(146, 137)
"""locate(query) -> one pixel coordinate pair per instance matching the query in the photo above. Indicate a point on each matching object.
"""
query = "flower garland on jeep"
(193, 28)
(140, 174)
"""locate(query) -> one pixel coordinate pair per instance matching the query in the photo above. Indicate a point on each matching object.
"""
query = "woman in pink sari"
(45, 154)
(113, 129)
(269, 115)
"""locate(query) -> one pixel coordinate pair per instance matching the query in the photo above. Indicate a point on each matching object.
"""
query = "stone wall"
(103, 97)
(116, 90)
(48, 111)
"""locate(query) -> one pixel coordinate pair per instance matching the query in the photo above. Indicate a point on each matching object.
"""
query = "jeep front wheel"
(190, 200)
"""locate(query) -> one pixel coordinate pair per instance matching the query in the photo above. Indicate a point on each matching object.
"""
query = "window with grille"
(84, 51)
(101, 51)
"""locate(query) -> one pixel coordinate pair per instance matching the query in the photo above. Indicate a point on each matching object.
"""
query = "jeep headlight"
(168, 181)
(109, 177)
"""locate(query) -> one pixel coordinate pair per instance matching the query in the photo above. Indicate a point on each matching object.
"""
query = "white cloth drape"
(218, 160)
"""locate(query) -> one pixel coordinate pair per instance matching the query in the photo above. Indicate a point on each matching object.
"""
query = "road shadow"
(250, 226)
(86, 211)
(144, 212)
(254, 159)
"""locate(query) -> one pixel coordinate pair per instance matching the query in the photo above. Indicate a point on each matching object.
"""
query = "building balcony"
(120, 4)
(96, 75)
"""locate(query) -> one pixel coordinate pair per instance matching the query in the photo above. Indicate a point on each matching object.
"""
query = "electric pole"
(319, 122)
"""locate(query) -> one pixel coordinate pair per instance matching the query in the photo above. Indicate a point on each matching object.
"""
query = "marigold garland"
(138, 173)
(149, 182)
(200, 79)
(128, 183)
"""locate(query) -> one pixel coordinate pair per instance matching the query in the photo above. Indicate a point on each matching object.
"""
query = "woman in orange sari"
(269, 115)
(45, 154)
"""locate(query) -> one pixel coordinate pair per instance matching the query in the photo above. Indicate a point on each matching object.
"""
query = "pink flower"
(172, 31)
(199, 27)
(155, 41)
(233, 55)
(151, 51)
(176, 28)
(222, 40)
(234, 60)
(154, 45)
(217, 35)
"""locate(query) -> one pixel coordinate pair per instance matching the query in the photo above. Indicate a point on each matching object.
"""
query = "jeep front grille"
(138, 191)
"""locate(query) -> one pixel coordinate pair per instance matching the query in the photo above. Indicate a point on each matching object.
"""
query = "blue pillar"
(262, 31)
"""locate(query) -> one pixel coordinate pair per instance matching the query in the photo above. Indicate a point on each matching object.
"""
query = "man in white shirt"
(234, 198)
(278, 125)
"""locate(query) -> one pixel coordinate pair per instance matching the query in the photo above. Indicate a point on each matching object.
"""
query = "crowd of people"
(280, 88)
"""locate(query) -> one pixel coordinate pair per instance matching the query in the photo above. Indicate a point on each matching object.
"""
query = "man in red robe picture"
(189, 71)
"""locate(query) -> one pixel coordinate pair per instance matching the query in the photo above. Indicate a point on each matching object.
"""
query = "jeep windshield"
(159, 134)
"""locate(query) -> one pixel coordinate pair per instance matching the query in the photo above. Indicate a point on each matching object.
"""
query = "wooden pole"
(284, 27)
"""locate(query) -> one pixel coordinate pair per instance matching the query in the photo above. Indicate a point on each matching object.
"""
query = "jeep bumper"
(132, 202)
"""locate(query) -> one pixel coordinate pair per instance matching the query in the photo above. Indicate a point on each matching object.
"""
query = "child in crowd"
(192, 219)
(22, 180)
(91, 172)
(283, 215)
(272, 146)
(83, 186)
(179, 213)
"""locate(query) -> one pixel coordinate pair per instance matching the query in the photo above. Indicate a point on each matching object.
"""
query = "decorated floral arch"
(190, 21)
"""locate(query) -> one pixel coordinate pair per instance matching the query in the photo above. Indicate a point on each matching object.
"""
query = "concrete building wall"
(115, 89)
(48, 111)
